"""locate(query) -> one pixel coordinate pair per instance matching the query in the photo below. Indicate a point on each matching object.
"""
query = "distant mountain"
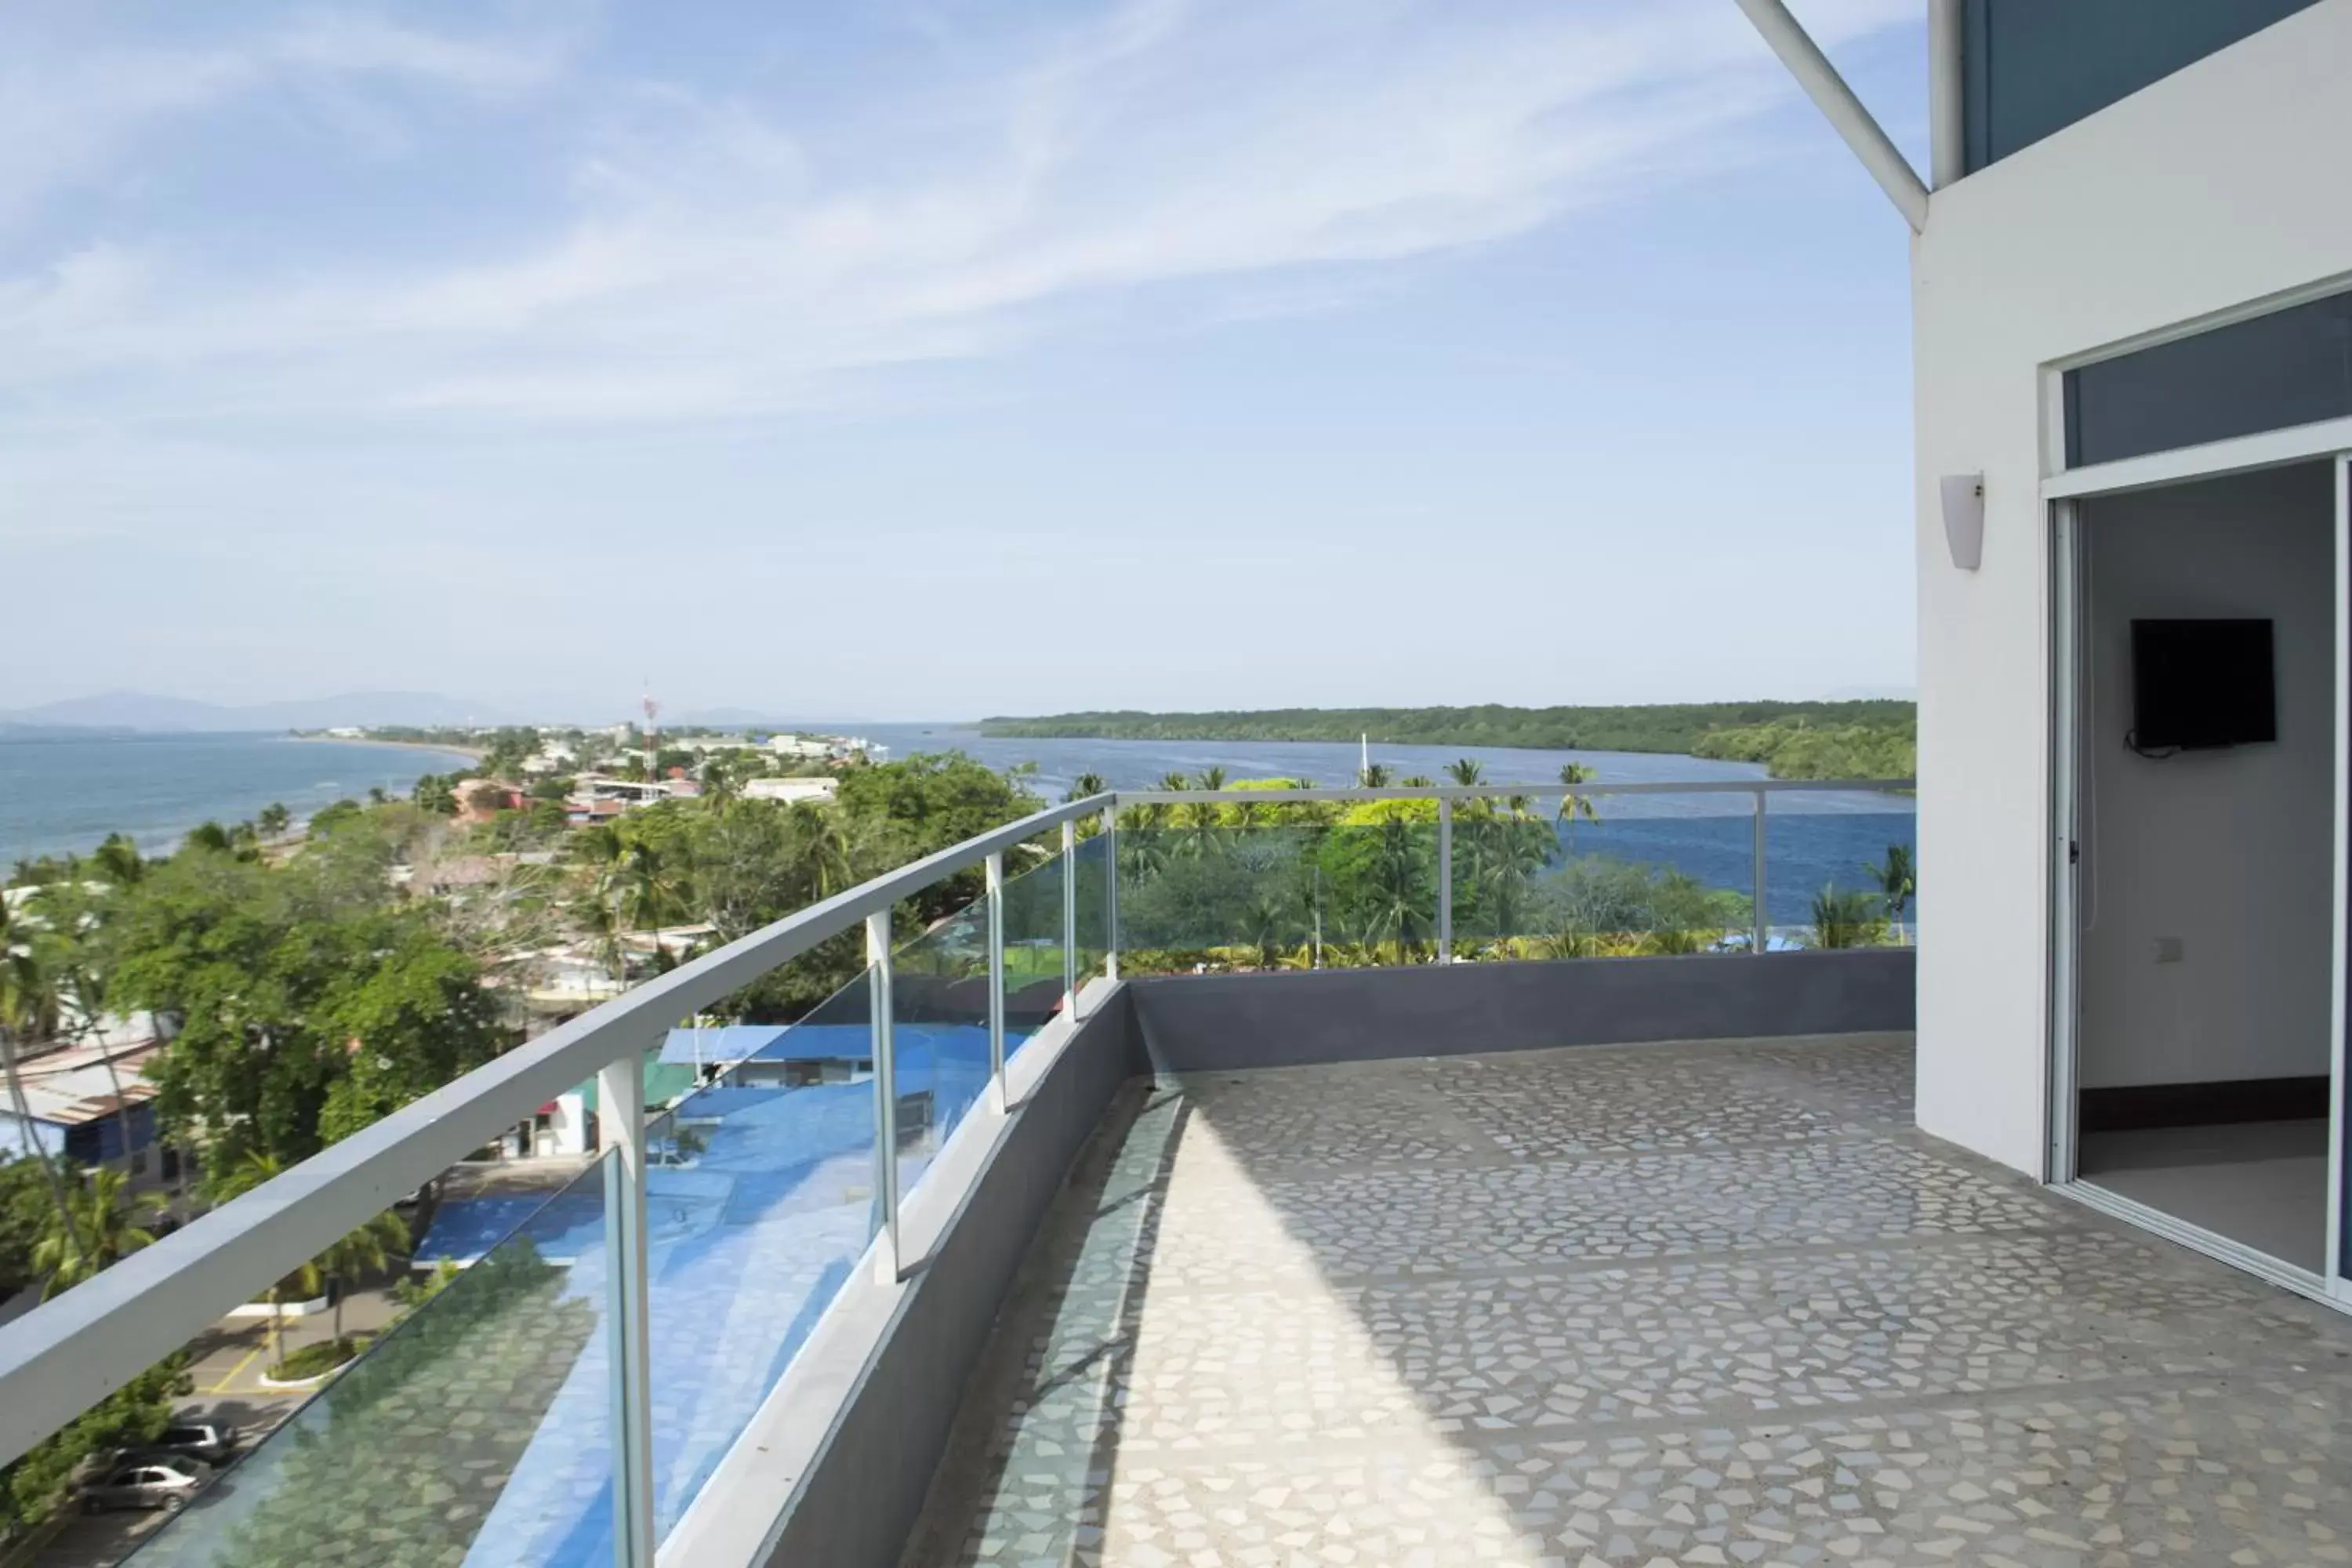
(144, 711)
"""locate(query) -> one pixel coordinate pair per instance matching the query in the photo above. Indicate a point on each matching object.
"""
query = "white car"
(149, 1483)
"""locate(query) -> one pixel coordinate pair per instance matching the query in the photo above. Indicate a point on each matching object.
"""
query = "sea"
(66, 794)
(60, 795)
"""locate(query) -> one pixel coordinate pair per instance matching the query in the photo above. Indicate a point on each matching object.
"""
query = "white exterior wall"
(566, 1131)
(2222, 852)
(2210, 189)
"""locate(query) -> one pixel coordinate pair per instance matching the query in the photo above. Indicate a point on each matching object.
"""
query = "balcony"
(1341, 1247)
(1677, 1304)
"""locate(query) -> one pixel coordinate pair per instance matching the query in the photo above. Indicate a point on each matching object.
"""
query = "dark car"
(213, 1442)
(150, 1483)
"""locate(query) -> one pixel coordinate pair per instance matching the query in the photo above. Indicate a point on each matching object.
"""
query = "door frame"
(2339, 1286)
(2064, 538)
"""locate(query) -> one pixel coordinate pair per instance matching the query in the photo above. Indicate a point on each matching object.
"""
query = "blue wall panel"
(2035, 67)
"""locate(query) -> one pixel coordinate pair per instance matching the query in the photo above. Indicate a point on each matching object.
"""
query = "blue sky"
(928, 358)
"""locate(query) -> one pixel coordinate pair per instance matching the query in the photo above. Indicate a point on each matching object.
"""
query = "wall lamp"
(1964, 518)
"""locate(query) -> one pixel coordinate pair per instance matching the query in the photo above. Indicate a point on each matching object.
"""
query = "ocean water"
(61, 795)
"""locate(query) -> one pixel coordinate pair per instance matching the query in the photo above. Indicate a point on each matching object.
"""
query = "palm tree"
(824, 848)
(718, 780)
(28, 1011)
(273, 820)
(1086, 785)
(1572, 806)
(258, 1168)
(86, 987)
(1400, 896)
(117, 861)
(1467, 771)
(601, 932)
(93, 1231)
(1213, 778)
(1898, 884)
(362, 1252)
(1373, 775)
(1264, 924)
(1842, 919)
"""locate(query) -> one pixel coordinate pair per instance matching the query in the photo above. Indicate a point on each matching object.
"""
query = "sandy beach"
(447, 749)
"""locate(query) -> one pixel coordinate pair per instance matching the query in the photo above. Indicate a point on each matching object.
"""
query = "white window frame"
(2330, 441)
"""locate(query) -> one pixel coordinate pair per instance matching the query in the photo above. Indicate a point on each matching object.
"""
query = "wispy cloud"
(68, 113)
(708, 256)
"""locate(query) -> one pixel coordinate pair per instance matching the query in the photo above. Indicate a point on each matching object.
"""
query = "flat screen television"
(2198, 684)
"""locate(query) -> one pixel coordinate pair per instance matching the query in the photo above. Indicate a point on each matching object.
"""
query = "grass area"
(313, 1360)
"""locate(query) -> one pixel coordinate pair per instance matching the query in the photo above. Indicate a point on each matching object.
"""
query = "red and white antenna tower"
(653, 744)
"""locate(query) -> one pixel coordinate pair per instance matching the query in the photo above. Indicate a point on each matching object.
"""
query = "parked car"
(148, 1483)
(213, 1442)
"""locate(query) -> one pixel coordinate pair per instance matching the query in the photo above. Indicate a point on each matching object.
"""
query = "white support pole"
(621, 1122)
(1445, 880)
(1762, 938)
(1846, 115)
(886, 1095)
(1947, 152)
(1070, 920)
(996, 980)
(1110, 893)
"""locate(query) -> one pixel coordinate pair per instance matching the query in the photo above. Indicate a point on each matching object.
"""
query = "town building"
(89, 1101)
(790, 790)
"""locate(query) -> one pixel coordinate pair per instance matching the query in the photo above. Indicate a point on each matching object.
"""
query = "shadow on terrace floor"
(1652, 1305)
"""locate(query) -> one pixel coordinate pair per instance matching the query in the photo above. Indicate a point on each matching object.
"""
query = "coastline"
(472, 753)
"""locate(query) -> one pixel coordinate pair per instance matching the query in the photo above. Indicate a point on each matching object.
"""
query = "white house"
(2133, 342)
(790, 790)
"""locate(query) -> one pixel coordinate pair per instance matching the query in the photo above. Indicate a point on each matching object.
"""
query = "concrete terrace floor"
(1651, 1305)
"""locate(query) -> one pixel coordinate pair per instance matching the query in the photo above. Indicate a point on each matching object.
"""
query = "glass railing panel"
(938, 1029)
(1033, 943)
(477, 1427)
(1603, 875)
(1841, 867)
(1094, 905)
(759, 1198)
(1358, 888)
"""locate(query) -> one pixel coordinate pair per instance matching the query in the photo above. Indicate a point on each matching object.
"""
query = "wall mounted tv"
(2199, 684)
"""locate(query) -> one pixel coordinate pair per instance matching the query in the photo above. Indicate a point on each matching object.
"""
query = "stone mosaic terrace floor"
(1658, 1305)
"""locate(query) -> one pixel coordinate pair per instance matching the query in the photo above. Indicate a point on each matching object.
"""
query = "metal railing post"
(620, 1124)
(1762, 936)
(1445, 880)
(886, 1094)
(996, 979)
(1070, 918)
(1110, 893)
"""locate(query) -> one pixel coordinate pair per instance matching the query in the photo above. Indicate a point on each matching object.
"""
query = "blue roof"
(733, 1043)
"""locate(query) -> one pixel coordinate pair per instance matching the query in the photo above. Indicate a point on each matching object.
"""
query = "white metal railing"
(68, 1354)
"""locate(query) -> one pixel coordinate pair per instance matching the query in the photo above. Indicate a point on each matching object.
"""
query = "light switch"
(2168, 950)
